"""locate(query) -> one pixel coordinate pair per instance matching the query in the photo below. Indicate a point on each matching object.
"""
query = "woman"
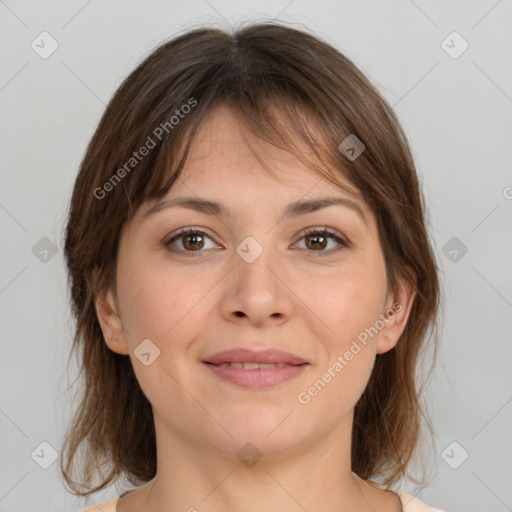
(247, 227)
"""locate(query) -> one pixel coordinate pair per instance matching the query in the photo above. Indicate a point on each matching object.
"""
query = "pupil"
(191, 241)
(316, 237)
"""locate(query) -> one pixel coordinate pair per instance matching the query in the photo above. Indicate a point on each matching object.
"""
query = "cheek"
(159, 302)
(159, 305)
(349, 301)
(342, 374)
(143, 301)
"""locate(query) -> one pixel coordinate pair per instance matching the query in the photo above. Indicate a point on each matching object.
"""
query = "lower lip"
(258, 377)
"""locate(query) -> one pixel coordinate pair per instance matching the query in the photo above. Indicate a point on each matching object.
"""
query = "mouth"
(248, 368)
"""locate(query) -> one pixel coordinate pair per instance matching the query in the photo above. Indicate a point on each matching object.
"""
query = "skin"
(308, 301)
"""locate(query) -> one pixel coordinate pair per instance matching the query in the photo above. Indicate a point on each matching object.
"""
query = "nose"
(257, 293)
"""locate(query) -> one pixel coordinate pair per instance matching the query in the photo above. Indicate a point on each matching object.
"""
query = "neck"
(196, 477)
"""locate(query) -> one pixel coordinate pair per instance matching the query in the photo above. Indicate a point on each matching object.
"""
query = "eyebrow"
(295, 209)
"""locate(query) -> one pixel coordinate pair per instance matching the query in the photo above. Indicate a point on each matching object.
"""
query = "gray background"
(456, 112)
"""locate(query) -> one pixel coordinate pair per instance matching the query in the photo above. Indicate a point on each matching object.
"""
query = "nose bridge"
(255, 290)
(253, 261)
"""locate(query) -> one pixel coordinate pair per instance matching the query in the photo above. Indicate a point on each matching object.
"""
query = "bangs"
(287, 122)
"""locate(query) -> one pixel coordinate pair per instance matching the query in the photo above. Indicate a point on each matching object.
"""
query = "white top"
(409, 503)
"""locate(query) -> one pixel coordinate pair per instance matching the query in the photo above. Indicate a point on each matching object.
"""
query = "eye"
(191, 240)
(318, 239)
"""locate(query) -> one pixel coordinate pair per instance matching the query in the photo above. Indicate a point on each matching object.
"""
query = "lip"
(244, 355)
(257, 377)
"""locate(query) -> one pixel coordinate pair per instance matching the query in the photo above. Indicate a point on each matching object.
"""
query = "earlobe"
(396, 315)
(111, 323)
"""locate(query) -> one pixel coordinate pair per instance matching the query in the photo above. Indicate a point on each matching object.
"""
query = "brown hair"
(298, 93)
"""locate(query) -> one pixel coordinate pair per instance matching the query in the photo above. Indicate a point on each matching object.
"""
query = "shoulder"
(413, 504)
(410, 504)
(108, 506)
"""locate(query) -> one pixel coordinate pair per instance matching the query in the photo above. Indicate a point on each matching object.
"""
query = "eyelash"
(325, 232)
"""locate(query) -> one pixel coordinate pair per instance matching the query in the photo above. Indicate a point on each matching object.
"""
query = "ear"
(111, 323)
(394, 317)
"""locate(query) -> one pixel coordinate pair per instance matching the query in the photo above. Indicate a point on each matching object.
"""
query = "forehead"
(225, 154)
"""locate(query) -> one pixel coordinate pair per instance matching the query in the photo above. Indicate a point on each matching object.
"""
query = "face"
(253, 275)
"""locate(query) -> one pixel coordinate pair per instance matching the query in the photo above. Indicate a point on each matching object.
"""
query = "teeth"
(254, 366)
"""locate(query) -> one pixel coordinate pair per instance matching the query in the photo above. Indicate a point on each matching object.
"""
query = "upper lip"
(245, 355)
